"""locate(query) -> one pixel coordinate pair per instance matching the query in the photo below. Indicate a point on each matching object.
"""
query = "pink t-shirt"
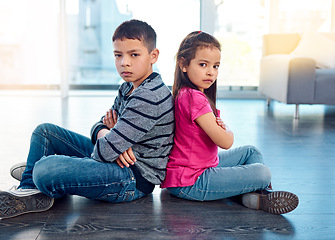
(193, 151)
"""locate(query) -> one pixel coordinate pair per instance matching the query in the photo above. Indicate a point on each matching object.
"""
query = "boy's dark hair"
(136, 29)
(187, 50)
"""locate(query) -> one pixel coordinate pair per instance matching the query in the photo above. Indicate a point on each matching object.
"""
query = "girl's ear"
(182, 65)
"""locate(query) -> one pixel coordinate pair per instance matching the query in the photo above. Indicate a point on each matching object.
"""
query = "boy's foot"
(277, 202)
(15, 202)
(17, 170)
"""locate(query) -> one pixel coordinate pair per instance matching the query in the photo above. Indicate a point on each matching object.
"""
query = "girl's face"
(204, 68)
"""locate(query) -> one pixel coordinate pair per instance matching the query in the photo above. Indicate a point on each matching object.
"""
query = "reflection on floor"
(299, 153)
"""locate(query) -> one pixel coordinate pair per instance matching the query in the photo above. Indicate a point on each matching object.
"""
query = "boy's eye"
(134, 54)
(117, 55)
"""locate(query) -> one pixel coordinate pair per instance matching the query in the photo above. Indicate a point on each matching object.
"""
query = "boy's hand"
(126, 158)
(110, 118)
(102, 133)
(221, 123)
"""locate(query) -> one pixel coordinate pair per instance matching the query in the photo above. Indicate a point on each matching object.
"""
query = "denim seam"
(65, 142)
(46, 143)
(96, 185)
(181, 194)
(127, 181)
(132, 176)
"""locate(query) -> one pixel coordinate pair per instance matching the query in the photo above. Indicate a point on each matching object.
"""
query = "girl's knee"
(254, 149)
(254, 155)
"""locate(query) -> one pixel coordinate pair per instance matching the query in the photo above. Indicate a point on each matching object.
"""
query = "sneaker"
(277, 202)
(17, 170)
(15, 202)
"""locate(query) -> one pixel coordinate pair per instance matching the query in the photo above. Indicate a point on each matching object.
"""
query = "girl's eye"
(216, 66)
(203, 64)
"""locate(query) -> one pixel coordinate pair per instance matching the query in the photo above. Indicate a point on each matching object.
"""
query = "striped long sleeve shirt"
(145, 123)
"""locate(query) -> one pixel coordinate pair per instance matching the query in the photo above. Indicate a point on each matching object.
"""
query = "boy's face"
(132, 60)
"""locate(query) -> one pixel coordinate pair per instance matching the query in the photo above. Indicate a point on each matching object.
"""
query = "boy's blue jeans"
(241, 170)
(59, 163)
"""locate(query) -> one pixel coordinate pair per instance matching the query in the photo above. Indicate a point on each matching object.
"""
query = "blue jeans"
(241, 170)
(59, 163)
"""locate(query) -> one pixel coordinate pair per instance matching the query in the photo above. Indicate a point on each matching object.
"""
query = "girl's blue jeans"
(241, 170)
(59, 163)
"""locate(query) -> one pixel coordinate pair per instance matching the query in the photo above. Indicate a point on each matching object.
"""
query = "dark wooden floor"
(301, 155)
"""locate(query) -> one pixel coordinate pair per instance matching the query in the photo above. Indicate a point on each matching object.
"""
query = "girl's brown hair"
(187, 51)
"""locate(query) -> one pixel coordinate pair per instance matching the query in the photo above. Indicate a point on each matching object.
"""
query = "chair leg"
(268, 101)
(296, 114)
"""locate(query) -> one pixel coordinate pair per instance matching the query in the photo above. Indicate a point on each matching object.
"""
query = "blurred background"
(65, 45)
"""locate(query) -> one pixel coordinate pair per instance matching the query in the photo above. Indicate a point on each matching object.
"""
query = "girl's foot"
(277, 202)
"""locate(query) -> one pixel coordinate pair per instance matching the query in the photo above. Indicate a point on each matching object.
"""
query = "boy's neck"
(138, 83)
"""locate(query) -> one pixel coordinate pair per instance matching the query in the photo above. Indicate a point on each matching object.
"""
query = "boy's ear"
(154, 55)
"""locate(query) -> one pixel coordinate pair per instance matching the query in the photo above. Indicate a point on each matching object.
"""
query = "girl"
(196, 171)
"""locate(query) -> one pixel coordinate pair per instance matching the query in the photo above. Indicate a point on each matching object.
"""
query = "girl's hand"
(221, 123)
(110, 118)
(219, 132)
(126, 158)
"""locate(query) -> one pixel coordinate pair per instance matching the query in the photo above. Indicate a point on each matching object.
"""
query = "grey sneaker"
(17, 170)
(15, 202)
(277, 202)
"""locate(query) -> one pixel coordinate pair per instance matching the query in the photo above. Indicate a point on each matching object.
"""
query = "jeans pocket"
(125, 191)
(122, 190)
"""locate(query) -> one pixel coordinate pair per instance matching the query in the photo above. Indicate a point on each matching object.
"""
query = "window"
(29, 43)
(299, 16)
(240, 26)
(91, 59)
(32, 52)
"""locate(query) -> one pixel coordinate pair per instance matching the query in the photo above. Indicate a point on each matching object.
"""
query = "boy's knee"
(42, 173)
(42, 128)
(48, 176)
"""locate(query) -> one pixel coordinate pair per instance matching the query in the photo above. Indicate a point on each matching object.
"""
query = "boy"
(129, 147)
